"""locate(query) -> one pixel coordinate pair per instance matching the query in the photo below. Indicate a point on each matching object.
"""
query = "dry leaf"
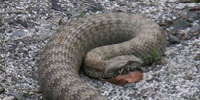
(131, 77)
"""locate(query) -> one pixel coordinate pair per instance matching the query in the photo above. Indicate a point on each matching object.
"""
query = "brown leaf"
(131, 77)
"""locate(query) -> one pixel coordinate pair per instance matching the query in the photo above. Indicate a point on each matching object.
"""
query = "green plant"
(82, 14)
(153, 56)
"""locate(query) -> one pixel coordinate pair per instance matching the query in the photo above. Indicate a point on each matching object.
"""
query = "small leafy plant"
(154, 56)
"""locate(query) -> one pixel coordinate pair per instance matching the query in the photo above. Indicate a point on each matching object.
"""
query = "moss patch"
(154, 56)
(82, 14)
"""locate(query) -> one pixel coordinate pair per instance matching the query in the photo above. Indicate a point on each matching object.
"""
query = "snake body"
(138, 38)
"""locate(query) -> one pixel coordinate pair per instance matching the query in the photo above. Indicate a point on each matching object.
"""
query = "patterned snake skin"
(139, 39)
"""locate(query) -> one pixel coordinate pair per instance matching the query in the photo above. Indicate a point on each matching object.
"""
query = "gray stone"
(2, 89)
(173, 39)
(10, 98)
(197, 56)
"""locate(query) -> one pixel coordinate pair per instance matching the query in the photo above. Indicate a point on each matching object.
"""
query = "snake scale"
(113, 39)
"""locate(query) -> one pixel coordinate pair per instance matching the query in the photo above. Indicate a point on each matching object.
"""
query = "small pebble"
(173, 39)
(10, 98)
(197, 57)
(2, 90)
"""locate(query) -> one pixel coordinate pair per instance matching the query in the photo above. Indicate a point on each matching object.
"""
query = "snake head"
(122, 62)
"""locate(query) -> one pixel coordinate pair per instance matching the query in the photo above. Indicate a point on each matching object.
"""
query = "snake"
(104, 46)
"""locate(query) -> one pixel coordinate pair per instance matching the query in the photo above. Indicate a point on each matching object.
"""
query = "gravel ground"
(26, 25)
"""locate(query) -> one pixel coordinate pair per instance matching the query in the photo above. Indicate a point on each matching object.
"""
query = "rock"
(189, 1)
(188, 77)
(18, 34)
(183, 35)
(186, 26)
(162, 61)
(2, 89)
(10, 98)
(55, 5)
(1, 22)
(195, 30)
(173, 39)
(197, 57)
(95, 7)
(181, 23)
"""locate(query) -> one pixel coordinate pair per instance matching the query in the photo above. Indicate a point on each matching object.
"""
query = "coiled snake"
(114, 40)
